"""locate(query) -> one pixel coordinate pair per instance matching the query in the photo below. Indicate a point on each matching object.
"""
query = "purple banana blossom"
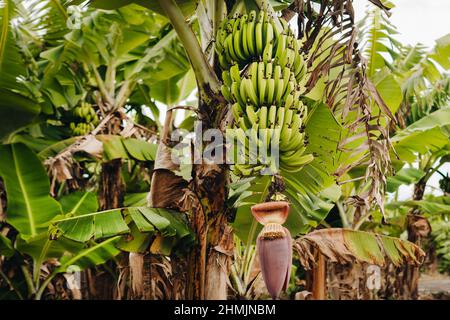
(274, 245)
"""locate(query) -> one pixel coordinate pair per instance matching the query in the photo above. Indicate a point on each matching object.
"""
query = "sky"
(417, 20)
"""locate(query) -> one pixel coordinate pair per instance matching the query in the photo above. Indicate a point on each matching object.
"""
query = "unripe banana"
(270, 97)
(272, 117)
(263, 117)
(251, 33)
(296, 163)
(237, 111)
(262, 91)
(226, 77)
(237, 43)
(226, 93)
(253, 74)
(296, 141)
(289, 102)
(244, 26)
(273, 81)
(279, 90)
(236, 94)
(243, 123)
(269, 70)
(280, 118)
(235, 74)
(261, 73)
(229, 46)
(259, 38)
(281, 46)
(252, 115)
(250, 91)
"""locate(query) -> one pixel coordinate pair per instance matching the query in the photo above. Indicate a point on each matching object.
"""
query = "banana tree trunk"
(209, 261)
(204, 198)
(418, 227)
(111, 191)
(319, 278)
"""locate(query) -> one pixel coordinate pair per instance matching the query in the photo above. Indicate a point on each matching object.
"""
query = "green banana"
(263, 71)
(272, 117)
(270, 91)
(269, 70)
(280, 118)
(250, 91)
(236, 94)
(227, 93)
(251, 33)
(263, 117)
(259, 38)
(235, 74)
(251, 114)
(244, 26)
(262, 91)
(226, 77)
(297, 164)
(237, 43)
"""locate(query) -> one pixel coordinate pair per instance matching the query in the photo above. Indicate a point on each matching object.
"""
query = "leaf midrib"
(78, 204)
(24, 193)
(86, 252)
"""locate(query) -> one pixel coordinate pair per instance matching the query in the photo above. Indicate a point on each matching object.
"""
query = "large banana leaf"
(30, 207)
(429, 134)
(11, 61)
(430, 205)
(16, 108)
(96, 254)
(168, 226)
(6, 247)
(350, 246)
(305, 189)
(405, 176)
(78, 202)
(115, 147)
(41, 247)
(16, 111)
(162, 61)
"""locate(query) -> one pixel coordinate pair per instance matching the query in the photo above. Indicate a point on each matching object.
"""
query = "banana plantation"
(221, 150)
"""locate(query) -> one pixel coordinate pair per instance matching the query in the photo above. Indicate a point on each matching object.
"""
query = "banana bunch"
(262, 71)
(261, 84)
(86, 118)
(81, 128)
(253, 37)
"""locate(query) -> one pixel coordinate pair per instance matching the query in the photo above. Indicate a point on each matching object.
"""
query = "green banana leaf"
(115, 147)
(174, 90)
(167, 224)
(429, 205)
(6, 247)
(96, 254)
(41, 247)
(78, 202)
(429, 134)
(405, 176)
(17, 109)
(162, 61)
(30, 206)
